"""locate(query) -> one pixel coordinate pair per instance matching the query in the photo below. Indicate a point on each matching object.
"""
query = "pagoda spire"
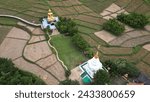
(96, 55)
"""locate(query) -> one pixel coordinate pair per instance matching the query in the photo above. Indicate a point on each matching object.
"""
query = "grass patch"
(8, 21)
(136, 49)
(88, 25)
(67, 52)
(147, 1)
(86, 30)
(3, 32)
(97, 5)
(14, 7)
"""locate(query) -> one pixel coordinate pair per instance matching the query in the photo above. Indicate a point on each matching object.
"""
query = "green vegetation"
(67, 52)
(134, 20)
(82, 45)
(69, 82)
(101, 78)
(66, 26)
(147, 1)
(30, 10)
(11, 75)
(121, 67)
(8, 21)
(97, 5)
(3, 32)
(114, 27)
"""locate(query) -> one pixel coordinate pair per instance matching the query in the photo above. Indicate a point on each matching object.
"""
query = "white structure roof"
(93, 65)
(45, 24)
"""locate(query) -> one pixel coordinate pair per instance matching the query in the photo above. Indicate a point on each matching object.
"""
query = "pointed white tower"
(94, 65)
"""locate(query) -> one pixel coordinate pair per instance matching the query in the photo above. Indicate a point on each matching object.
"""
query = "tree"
(114, 27)
(101, 78)
(11, 75)
(133, 19)
(67, 26)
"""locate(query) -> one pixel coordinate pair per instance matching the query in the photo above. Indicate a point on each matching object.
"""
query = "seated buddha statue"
(50, 16)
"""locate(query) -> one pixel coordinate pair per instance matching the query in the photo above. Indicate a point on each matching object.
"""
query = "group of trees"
(114, 27)
(134, 20)
(101, 77)
(118, 67)
(81, 44)
(121, 67)
(11, 75)
(66, 26)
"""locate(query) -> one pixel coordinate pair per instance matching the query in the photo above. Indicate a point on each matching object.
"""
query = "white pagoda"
(89, 68)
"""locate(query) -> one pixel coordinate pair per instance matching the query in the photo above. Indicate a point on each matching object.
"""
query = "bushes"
(67, 26)
(10, 75)
(114, 27)
(121, 67)
(101, 78)
(69, 82)
(81, 44)
(89, 52)
(134, 20)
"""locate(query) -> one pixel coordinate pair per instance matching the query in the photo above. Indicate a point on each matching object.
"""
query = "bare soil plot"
(24, 65)
(48, 61)
(58, 71)
(136, 41)
(38, 31)
(18, 33)
(106, 36)
(12, 48)
(75, 75)
(35, 39)
(113, 8)
(147, 47)
(147, 28)
(34, 52)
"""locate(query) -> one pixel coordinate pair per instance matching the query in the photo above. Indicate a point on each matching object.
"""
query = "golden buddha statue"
(50, 16)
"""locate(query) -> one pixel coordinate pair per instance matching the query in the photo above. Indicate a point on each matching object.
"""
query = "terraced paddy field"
(89, 15)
